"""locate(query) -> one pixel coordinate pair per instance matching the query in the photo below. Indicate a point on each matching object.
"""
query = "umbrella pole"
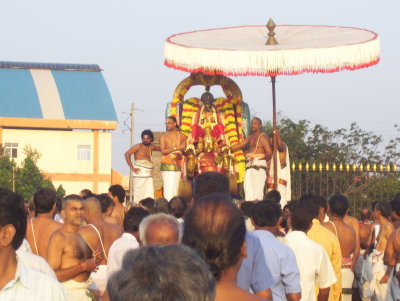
(274, 146)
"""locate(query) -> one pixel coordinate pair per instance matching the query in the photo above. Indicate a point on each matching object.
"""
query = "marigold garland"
(231, 120)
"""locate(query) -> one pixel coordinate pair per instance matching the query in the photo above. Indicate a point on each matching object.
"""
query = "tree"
(60, 192)
(343, 147)
(7, 170)
(28, 177)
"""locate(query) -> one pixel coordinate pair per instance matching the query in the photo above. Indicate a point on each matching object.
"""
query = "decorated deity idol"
(208, 117)
(211, 125)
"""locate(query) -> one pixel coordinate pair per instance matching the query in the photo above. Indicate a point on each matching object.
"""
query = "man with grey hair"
(168, 273)
(159, 229)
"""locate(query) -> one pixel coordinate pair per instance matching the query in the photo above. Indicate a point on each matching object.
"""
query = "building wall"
(59, 156)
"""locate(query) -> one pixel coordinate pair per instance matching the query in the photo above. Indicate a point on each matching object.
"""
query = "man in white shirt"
(281, 261)
(128, 241)
(17, 281)
(312, 259)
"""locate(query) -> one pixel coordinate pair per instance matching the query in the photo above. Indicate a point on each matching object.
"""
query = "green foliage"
(28, 177)
(6, 172)
(317, 144)
(60, 192)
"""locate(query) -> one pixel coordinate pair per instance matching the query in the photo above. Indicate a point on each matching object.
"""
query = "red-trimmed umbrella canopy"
(242, 51)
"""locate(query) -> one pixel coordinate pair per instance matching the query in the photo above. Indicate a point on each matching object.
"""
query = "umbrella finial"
(271, 35)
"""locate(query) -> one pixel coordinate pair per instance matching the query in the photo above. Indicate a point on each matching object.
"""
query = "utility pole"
(132, 142)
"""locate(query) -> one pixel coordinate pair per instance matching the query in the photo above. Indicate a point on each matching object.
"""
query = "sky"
(126, 39)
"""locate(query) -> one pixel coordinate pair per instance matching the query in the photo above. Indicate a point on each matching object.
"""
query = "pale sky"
(126, 38)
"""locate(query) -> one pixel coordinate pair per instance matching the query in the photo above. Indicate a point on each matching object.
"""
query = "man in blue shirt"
(254, 274)
(280, 259)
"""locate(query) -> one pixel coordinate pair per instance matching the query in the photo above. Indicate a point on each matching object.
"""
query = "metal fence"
(361, 183)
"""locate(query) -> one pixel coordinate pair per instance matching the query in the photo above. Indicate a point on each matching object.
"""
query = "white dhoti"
(394, 286)
(171, 183)
(366, 278)
(78, 290)
(284, 181)
(171, 174)
(378, 291)
(347, 283)
(143, 181)
(254, 179)
(358, 272)
(99, 284)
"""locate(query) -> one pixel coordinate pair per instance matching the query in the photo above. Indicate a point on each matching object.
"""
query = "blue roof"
(50, 66)
(54, 91)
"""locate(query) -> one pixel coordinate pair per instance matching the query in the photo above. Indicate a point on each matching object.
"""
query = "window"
(83, 152)
(11, 150)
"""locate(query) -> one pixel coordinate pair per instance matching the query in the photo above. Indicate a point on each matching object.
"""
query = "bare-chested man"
(117, 193)
(172, 144)
(353, 223)
(107, 207)
(338, 206)
(40, 228)
(381, 274)
(392, 259)
(69, 255)
(283, 169)
(143, 167)
(257, 158)
(365, 227)
(99, 235)
(392, 251)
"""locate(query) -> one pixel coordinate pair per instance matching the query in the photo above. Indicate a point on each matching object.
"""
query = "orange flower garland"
(232, 120)
(225, 107)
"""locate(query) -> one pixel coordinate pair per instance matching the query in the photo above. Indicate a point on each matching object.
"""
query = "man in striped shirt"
(17, 281)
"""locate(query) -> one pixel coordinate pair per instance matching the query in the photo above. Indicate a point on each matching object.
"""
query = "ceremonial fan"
(271, 51)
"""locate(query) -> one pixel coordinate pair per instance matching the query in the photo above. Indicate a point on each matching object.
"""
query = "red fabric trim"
(305, 70)
(222, 103)
(231, 130)
(229, 115)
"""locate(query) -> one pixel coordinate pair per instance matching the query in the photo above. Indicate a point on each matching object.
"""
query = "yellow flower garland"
(232, 126)
(231, 132)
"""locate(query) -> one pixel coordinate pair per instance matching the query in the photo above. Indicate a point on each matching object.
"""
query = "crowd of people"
(93, 247)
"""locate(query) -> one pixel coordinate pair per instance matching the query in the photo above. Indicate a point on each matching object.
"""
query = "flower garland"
(232, 120)
(190, 108)
(226, 108)
(173, 111)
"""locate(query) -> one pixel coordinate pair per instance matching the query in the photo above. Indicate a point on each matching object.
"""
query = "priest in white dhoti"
(172, 143)
(142, 167)
(257, 159)
(283, 171)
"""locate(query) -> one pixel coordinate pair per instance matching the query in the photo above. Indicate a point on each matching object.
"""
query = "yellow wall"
(73, 187)
(59, 156)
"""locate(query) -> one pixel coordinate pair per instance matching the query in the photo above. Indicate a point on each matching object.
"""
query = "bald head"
(159, 229)
(92, 209)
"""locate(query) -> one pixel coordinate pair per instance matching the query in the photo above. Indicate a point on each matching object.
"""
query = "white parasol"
(242, 51)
